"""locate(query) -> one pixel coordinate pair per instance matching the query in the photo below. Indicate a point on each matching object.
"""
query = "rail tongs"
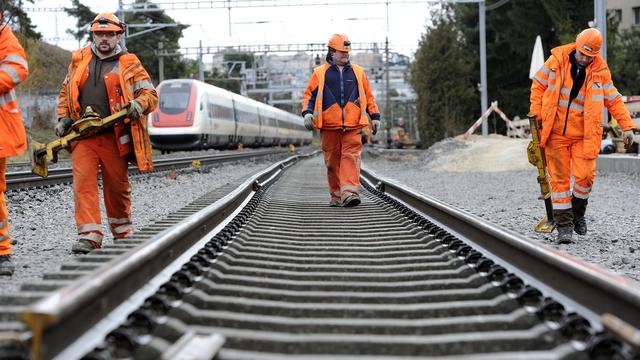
(89, 124)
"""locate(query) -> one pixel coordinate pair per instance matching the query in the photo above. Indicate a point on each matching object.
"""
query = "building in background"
(626, 12)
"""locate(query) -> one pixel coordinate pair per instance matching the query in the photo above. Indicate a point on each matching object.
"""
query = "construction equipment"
(537, 158)
(89, 124)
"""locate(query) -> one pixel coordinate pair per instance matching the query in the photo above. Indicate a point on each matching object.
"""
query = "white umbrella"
(537, 58)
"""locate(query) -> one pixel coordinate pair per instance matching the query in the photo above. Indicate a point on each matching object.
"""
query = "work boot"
(351, 200)
(84, 246)
(6, 267)
(563, 218)
(565, 235)
(580, 226)
(579, 207)
(334, 203)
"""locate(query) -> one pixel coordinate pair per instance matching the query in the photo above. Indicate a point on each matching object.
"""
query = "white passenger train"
(195, 115)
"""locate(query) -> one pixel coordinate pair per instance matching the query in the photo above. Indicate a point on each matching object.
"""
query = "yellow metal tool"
(88, 125)
(537, 158)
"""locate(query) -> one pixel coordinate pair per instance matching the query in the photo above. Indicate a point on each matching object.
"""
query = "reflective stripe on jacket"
(599, 92)
(13, 70)
(326, 108)
(137, 85)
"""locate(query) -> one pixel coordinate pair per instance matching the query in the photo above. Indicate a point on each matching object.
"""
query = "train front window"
(174, 97)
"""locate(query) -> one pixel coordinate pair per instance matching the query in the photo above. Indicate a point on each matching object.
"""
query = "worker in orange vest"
(568, 95)
(338, 100)
(107, 78)
(13, 139)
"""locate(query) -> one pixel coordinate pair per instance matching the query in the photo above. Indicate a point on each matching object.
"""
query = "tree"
(440, 76)
(146, 45)
(625, 69)
(143, 45)
(85, 16)
(13, 11)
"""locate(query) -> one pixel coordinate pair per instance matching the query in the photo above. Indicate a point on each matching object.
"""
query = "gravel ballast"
(42, 220)
(463, 174)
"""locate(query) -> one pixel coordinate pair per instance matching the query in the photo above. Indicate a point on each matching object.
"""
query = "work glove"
(627, 139)
(375, 125)
(63, 126)
(134, 110)
(309, 121)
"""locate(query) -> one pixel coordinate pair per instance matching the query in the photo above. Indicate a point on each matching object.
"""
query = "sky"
(268, 25)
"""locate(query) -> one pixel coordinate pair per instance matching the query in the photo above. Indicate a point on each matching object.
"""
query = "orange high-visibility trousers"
(5, 239)
(101, 152)
(342, 157)
(565, 159)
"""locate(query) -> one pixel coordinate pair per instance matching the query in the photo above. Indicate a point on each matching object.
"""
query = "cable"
(496, 5)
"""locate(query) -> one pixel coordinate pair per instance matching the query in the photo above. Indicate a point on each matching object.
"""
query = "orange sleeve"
(13, 63)
(372, 106)
(63, 98)
(539, 85)
(310, 93)
(144, 91)
(615, 105)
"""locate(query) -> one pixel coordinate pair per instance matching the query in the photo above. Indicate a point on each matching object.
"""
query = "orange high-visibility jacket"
(128, 81)
(354, 113)
(13, 70)
(599, 92)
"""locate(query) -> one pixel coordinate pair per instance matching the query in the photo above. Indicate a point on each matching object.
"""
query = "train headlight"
(189, 116)
(156, 117)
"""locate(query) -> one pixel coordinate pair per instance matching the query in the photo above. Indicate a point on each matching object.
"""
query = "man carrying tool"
(338, 101)
(568, 96)
(105, 77)
(13, 139)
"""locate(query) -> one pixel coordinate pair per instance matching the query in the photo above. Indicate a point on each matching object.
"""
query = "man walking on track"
(107, 78)
(338, 101)
(568, 95)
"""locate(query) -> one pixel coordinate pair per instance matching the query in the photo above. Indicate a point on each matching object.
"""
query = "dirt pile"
(479, 153)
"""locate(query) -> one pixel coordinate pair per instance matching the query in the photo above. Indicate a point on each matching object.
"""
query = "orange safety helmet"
(107, 22)
(339, 42)
(589, 42)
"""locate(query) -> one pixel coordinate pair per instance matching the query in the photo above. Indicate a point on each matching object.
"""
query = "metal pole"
(483, 66)
(160, 62)
(600, 12)
(387, 113)
(200, 65)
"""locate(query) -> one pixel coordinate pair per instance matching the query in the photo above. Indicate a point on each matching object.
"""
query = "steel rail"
(26, 179)
(592, 288)
(59, 319)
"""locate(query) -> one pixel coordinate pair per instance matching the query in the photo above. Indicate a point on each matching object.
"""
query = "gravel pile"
(510, 198)
(42, 220)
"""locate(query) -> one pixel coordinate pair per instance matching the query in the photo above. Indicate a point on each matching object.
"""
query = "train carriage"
(195, 115)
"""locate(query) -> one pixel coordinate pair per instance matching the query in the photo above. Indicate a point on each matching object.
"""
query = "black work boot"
(565, 235)
(6, 267)
(564, 222)
(579, 209)
(351, 200)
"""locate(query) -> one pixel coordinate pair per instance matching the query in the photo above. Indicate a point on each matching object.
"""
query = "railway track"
(26, 179)
(269, 271)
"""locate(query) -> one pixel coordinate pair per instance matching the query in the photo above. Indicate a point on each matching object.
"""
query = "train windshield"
(174, 97)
